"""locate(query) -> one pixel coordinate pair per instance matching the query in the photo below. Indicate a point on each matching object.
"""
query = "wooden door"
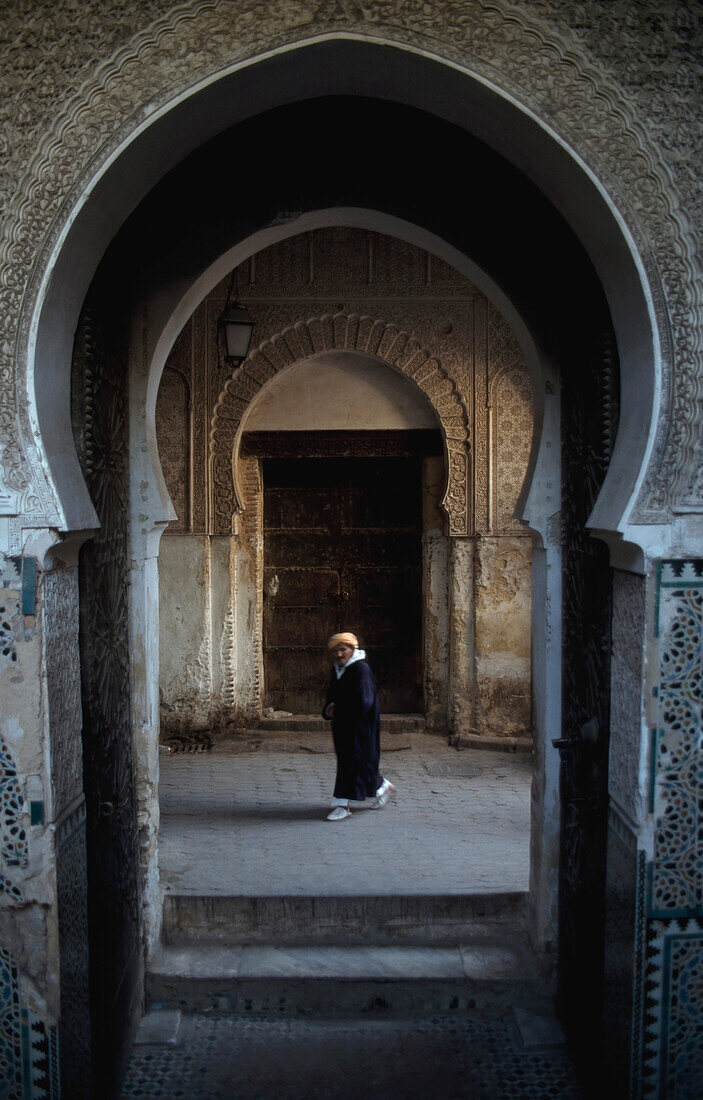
(342, 551)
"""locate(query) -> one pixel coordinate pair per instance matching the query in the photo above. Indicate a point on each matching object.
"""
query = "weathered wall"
(185, 649)
(503, 624)
(209, 646)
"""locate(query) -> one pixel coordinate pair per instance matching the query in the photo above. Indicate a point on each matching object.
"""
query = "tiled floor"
(452, 1057)
(254, 824)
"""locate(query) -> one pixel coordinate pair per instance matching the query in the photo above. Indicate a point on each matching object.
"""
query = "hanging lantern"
(236, 324)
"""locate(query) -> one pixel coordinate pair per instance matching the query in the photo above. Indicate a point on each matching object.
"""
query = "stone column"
(144, 639)
(461, 636)
(220, 631)
(247, 595)
(435, 563)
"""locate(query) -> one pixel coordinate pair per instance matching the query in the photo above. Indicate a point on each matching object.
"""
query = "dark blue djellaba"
(356, 730)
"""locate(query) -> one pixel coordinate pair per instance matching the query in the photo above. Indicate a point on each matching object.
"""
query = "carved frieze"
(330, 332)
(509, 400)
(63, 685)
(173, 433)
(608, 95)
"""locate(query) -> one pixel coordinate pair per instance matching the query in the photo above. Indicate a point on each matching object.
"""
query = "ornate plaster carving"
(329, 332)
(63, 685)
(603, 94)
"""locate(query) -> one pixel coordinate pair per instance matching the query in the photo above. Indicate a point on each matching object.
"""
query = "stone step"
(310, 723)
(290, 920)
(310, 733)
(332, 981)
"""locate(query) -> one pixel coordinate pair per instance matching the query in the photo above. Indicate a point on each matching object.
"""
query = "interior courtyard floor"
(255, 823)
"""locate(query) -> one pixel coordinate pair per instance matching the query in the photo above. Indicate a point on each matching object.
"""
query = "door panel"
(343, 551)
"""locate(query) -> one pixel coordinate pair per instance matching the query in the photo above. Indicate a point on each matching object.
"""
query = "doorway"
(342, 551)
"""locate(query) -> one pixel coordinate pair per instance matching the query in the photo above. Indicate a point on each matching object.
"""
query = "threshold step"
(390, 723)
(380, 919)
(340, 980)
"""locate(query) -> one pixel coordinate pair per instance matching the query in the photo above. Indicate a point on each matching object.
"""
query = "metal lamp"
(237, 324)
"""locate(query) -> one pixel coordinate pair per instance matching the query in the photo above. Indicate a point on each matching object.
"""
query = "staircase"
(337, 956)
(419, 908)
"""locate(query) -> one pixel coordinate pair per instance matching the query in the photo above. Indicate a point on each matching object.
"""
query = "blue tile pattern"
(40, 1058)
(10, 1030)
(454, 1056)
(13, 837)
(672, 1055)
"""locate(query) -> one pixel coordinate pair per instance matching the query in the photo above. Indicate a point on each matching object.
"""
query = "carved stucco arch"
(332, 332)
(116, 87)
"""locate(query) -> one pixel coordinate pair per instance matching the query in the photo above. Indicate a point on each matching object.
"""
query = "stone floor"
(254, 824)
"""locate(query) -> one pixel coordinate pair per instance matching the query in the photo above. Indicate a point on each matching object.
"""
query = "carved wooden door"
(342, 542)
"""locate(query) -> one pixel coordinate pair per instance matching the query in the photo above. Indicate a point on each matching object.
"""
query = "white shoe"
(383, 793)
(339, 813)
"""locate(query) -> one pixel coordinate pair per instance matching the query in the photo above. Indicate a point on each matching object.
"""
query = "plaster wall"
(503, 610)
(628, 720)
(336, 391)
(186, 642)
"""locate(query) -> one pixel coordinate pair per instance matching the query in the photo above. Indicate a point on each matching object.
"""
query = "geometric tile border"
(673, 1054)
(10, 1030)
(676, 876)
(29, 1062)
(671, 958)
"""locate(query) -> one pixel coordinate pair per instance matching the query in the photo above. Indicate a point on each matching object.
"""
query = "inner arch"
(338, 390)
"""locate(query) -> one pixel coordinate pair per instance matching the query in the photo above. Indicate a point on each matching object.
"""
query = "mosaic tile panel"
(673, 1051)
(10, 1033)
(41, 1061)
(29, 1062)
(449, 1055)
(677, 871)
(13, 838)
(672, 1039)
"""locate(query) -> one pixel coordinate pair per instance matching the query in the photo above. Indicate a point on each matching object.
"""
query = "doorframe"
(419, 443)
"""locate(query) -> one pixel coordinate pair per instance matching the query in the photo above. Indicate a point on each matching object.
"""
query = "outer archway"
(583, 201)
(74, 258)
(162, 308)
